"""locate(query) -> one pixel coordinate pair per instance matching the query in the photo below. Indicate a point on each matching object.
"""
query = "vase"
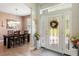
(75, 43)
(37, 43)
(75, 46)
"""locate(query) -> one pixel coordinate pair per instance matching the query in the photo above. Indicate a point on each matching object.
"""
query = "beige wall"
(24, 22)
(3, 18)
(75, 19)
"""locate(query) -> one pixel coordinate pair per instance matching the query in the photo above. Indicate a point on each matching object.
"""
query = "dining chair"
(25, 36)
(10, 32)
(17, 37)
(17, 32)
(11, 42)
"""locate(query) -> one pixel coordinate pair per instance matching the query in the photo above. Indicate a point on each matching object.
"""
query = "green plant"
(75, 37)
(37, 35)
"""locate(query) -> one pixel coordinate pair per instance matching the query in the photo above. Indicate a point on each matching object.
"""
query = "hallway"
(52, 26)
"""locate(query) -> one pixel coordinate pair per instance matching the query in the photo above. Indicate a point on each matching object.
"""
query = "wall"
(75, 18)
(22, 22)
(3, 18)
(25, 22)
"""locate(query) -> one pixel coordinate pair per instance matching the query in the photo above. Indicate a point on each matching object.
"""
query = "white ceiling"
(15, 8)
(21, 9)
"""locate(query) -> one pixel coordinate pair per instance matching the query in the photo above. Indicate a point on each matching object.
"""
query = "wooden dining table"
(7, 39)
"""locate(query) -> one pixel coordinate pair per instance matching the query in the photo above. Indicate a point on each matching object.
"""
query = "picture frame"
(12, 24)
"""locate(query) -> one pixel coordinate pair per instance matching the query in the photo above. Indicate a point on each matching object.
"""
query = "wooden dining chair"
(10, 32)
(17, 37)
(11, 42)
(26, 35)
(17, 32)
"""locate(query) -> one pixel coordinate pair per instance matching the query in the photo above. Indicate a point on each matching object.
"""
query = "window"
(56, 7)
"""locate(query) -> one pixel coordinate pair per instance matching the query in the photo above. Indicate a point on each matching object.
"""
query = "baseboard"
(67, 55)
(56, 52)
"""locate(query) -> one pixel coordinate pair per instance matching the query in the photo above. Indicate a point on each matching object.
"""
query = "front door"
(55, 37)
(55, 32)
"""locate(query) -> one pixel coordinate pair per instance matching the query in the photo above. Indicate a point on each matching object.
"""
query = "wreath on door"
(54, 24)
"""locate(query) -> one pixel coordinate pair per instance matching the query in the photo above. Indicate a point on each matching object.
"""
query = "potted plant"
(37, 36)
(37, 42)
(75, 40)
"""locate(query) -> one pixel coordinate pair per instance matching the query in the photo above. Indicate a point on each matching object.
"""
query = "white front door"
(51, 38)
(55, 36)
(56, 39)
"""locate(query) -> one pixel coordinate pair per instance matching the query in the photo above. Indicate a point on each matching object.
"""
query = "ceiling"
(19, 9)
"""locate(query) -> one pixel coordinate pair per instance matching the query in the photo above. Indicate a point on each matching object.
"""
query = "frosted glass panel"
(67, 31)
(53, 34)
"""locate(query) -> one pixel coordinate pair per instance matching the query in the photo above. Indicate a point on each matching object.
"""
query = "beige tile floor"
(25, 50)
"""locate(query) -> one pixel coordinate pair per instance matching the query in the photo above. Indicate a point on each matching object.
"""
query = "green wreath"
(54, 24)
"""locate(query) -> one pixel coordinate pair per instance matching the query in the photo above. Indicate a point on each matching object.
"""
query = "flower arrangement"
(75, 40)
(37, 35)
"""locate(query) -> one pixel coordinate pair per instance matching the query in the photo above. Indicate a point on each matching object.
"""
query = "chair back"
(25, 32)
(10, 32)
(16, 32)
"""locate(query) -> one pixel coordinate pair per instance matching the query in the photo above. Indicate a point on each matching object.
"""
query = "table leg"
(28, 38)
(8, 43)
(4, 41)
(23, 40)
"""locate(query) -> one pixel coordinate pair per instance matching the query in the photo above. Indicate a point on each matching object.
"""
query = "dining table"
(7, 40)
